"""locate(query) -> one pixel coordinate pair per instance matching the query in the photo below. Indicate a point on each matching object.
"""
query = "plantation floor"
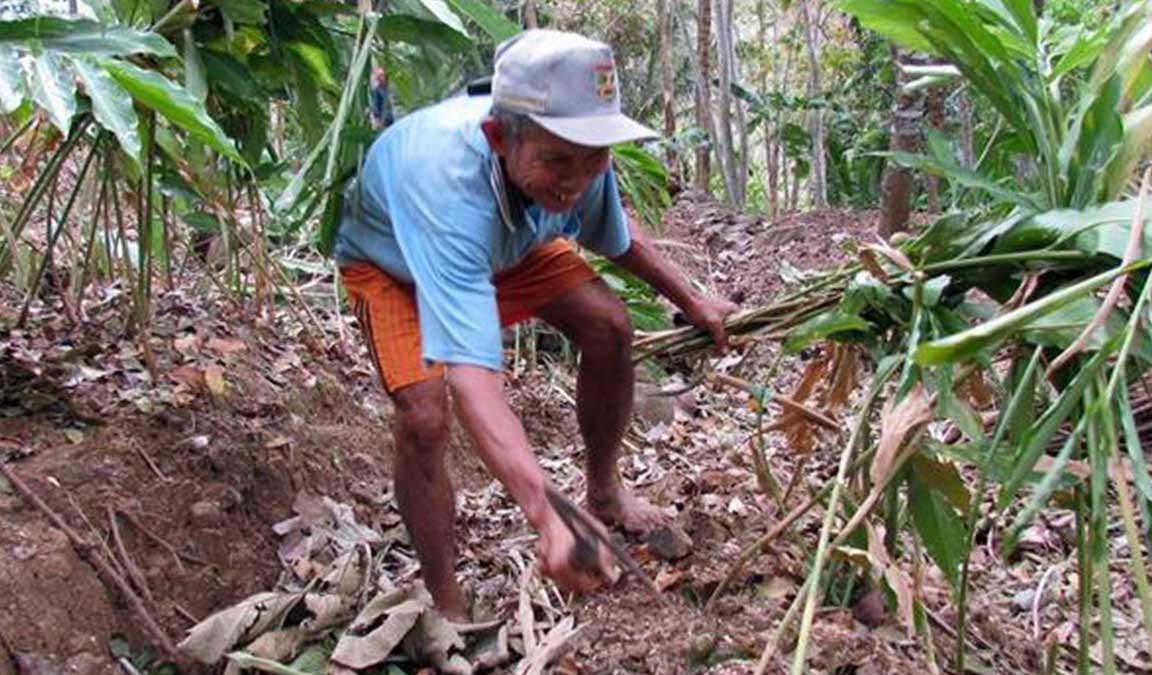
(182, 469)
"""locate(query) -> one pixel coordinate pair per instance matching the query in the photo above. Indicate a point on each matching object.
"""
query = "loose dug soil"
(195, 458)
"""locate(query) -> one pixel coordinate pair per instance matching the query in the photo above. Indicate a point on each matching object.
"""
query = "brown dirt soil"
(240, 416)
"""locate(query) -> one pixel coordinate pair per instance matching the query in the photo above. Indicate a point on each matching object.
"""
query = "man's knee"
(422, 421)
(609, 327)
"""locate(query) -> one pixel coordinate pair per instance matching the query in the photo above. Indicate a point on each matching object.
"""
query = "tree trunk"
(967, 142)
(934, 109)
(703, 90)
(668, 93)
(819, 181)
(896, 190)
(771, 168)
(725, 152)
(529, 14)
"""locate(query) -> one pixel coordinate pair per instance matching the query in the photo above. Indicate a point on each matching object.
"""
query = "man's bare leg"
(597, 321)
(424, 491)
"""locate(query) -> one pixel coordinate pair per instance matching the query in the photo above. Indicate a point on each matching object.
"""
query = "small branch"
(134, 572)
(784, 401)
(103, 570)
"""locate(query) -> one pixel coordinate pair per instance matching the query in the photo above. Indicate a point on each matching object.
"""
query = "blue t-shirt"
(429, 208)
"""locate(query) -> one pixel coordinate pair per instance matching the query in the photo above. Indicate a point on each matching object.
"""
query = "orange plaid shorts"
(386, 308)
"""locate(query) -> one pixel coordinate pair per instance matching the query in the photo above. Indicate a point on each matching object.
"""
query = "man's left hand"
(708, 314)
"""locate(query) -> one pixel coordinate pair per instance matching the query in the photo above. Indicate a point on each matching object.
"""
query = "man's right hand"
(583, 565)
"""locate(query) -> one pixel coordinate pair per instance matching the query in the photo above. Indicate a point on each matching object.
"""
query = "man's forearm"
(478, 394)
(643, 260)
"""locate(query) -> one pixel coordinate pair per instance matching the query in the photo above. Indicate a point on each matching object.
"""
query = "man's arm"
(499, 439)
(645, 261)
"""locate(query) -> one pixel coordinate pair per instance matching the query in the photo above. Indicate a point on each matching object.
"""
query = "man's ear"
(494, 132)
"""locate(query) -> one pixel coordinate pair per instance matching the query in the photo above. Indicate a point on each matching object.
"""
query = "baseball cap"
(567, 84)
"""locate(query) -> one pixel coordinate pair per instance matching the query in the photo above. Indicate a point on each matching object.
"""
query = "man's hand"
(708, 314)
(574, 564)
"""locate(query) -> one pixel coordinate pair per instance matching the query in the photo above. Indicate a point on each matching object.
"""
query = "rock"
(207, 513)
(651, 407)
(870, 609)
(669, 542)
(1022, 601)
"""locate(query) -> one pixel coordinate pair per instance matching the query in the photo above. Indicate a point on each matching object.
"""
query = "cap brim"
(595, 131)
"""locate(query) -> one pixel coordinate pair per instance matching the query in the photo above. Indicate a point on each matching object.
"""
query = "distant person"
(380, 100)
(459, 223)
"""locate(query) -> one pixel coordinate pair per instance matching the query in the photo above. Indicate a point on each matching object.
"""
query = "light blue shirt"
(427, 209)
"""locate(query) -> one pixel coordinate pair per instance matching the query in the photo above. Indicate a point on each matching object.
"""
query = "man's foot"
(452, 603)
(621, 508)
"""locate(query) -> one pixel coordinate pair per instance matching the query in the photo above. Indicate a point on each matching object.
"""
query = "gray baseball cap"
(567, 84)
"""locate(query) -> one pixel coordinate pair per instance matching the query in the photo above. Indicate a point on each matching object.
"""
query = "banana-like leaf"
(11, 80)
(1132, 60)
(953, 171)
(890, 22)
(317, 61)
(54, 89)
(1134, 147)
(414, 30)
(194, 78)
(1092, 142)
(1099, 230)
(83, 37)
(821, 326)
(971, 342)
(174, 103)
(1083, 51)
(1061, 328)
(111, 105)
(491, 21)
(440, 10)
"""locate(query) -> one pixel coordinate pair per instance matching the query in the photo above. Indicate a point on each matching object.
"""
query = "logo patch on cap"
(606, 81)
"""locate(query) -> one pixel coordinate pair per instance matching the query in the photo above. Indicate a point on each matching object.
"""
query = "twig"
(134, 572)
(103, 569)
(1131, 251)
(177, 554)
(151, 464)
(185, 613)
(1039, 598)
(784, 401)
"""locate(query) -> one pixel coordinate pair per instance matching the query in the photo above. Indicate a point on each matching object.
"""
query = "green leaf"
(1084, 50)
(440, 10)
(11, 80)
(898, 26)
(971, 342)
(83, 37)
(1096, 136)
(174, 103)
(492, 22)
(822, 326)
(1133, 148)
(243, 11)
(194, 78)
(54, 89)
(944, 534)
(111, 105)
(414, 30)
(1099, 230)
(317, 61)
(953, 171)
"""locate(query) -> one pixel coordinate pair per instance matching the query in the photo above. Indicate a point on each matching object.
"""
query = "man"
(458, 224)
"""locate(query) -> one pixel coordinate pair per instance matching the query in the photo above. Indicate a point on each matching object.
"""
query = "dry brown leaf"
(797, 428)
(868, 259)
(897, 422)
(668, 578)
(897, 579)
(976, 390)
(214, 378)
(189, 376)
(226, 345)
(844, 359)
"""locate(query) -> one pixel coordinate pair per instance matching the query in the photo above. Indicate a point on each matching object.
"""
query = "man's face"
(550, 170)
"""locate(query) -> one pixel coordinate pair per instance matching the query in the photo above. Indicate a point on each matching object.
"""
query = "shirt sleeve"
(603, 225)
(444, 236)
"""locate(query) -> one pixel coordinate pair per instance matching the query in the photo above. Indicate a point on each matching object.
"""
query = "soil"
(193, 451)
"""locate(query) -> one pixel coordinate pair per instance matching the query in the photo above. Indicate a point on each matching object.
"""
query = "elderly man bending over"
(459, 223)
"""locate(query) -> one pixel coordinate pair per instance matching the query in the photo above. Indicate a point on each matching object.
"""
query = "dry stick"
(1131, 251)
(792, 404)
(103, 569)
(97, 534)
(151, 464)
(176, 553)
(134, 571)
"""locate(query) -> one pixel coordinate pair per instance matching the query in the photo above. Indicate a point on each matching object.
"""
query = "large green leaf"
(81, 36)
(1099, 230)
(940, 527)
(822, 326)
(111, 105)
(1134, 147)
(974, 340)
(11, 80)
(317, 61)
(54, 89)
(414, 30)
(889, 21)
(174, 103)
(492, 22)
(953, 171)
(1092, 142)
(440, 10)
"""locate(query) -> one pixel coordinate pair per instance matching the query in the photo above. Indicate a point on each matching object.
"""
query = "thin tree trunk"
(896, 191)
(722, 11)
(529, 14)
(967, 144)
(934, 109)
(703, 90)
(819, 181)
(770, 167)
(668, 92)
